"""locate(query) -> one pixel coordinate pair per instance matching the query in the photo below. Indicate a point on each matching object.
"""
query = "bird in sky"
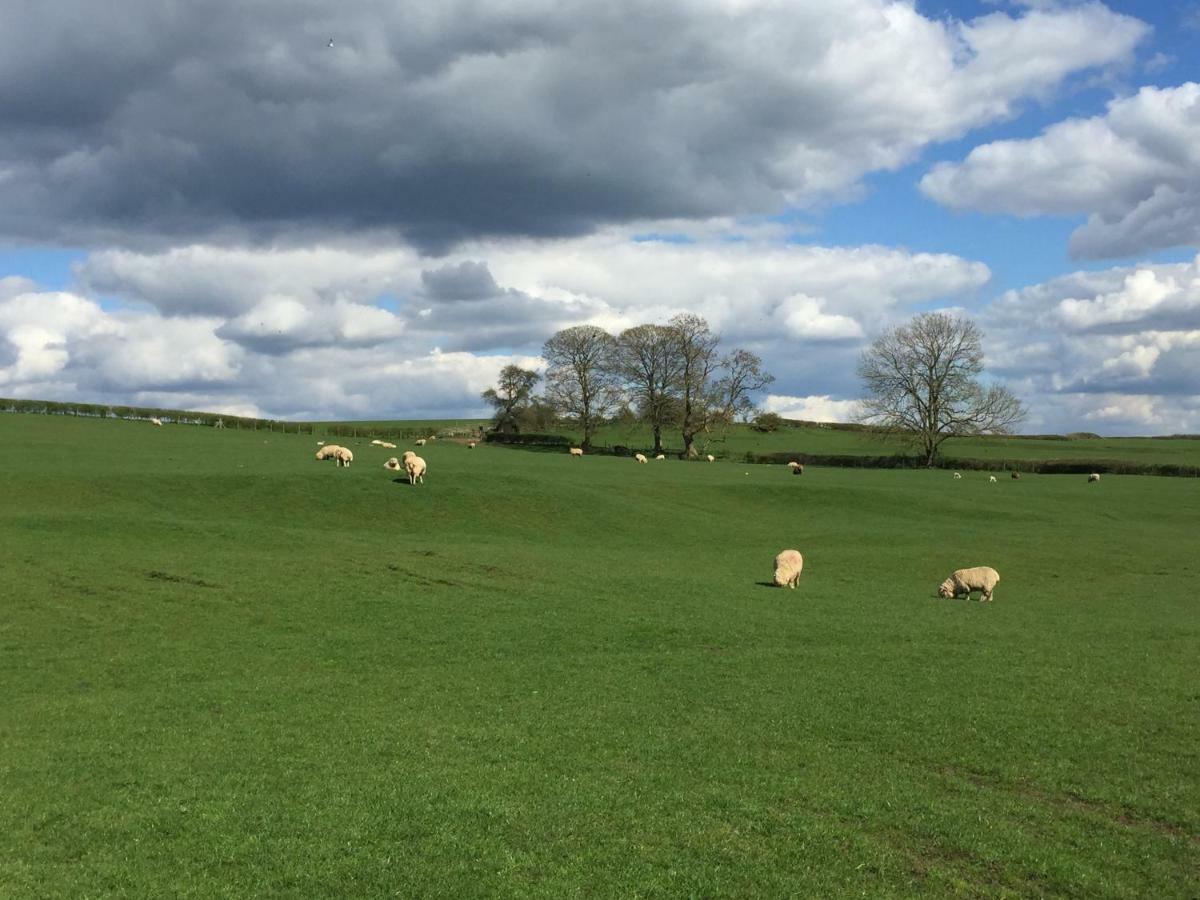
(330, 44)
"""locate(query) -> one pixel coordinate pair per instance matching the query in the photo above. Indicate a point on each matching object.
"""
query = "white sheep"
(980, 578)
(788, 565)
(343, 456)
(415, 467)
(992, 479)
(794, 464)
(327, 451)
(393, 464)
(660, 456)
(797, 469)
(377, 443)
(155, 421)
(433, 437)
(711, 458)
(958, 476)
(420, 443)
(387, 446)
(639, 457)
(1095, 476)
(576, 451)
(470, 445)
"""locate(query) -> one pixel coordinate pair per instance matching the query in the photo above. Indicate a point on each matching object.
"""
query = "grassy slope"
(231, 669)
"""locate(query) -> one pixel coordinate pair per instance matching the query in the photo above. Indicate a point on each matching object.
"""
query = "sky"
(365, 209)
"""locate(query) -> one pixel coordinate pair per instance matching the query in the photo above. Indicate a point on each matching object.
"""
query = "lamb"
(639, 457)
(711, 458)
(393, 464)
(958, 476)
(980, 578)
(415, 467)
(660, 456)
(1095, 476)
(420, 443)
(576, 451)
(788, 565)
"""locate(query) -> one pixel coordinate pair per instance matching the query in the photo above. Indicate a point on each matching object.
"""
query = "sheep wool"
(788, 565)
(980, 578)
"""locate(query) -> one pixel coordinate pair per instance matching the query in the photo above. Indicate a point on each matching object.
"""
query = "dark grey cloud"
(171, 122)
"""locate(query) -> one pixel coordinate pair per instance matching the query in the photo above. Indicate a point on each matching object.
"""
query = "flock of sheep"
(788, 563)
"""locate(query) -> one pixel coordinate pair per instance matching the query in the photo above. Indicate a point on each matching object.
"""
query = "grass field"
(230, 670)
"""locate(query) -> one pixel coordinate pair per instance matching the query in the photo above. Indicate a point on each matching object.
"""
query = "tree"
(744, 375)
(510, 395)
(695, 353)
(768, 422)
(648, 367)
(921, 382)
(580, 379)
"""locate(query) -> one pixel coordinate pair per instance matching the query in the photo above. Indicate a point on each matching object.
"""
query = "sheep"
(1016, 476)
(576, 451)
(386, 446)
(1095, 476)
(470, 445)
(711, 458)
(797, 469)
(377, 443)
(793, 464)
(980, 578)
(639, 457)
(660, 456)
(788, 565)
(433, 437)
(328, 451)
(393, 464)
(992, 479)
(155, 421)
(958, 476)
(320, 443)
(343, 456)
(420, 443)
(415, 467)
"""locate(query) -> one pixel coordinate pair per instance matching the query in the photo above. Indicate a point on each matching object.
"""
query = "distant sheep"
(393, 464)
(415, 467)
(470, 445)
(981, 578)
(386, 446)
(377, 442)
(797, 469)
(433, 437)
(958, 476)
(639, 457)
(576, 451)
(420, 443)
(1095, 476)
(711, 458)
(155, 421)
(320, 443)
(992, 479)
(660, 456)
(1016, 476)
(788, 565)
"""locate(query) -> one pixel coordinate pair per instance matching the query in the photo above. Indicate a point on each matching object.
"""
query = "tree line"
(667, 376)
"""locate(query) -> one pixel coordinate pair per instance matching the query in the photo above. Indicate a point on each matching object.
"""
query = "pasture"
(230, 670)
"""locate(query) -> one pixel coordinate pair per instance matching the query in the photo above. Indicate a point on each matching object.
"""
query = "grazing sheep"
(711, 458)
(958, 476)
(156, 421)
(981, 578)
(1016, 476)
(393, 464)
(797, 469)
(576, 451)
(415, 467)
(470, 445)
(343, 456)
(788, 565)
(328, 451)
(420, 443)
(1095, 476)
(660, 456)
(793, 463)
(992, 479)
(433, 437)
(639, 457)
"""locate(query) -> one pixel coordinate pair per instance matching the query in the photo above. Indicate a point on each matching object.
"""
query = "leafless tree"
(922, 382)
(744, 376)
(581, 381)
(512, 393)
(648, 368)
(695, 350)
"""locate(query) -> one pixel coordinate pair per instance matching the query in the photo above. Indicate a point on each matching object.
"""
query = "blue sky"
(224, 212)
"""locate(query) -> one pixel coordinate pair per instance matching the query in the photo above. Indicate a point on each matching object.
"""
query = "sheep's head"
(946, 588)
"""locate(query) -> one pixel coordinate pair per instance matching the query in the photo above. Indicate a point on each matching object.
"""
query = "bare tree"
(744, 376)
(921, 382)
(648, 367)
(695, 350)
(580, 379)
(511, 394)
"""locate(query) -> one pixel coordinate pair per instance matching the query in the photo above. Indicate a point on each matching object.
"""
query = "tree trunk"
(658, 447)
(689, 445)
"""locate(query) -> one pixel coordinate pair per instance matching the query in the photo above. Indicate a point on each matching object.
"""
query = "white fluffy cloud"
(1135, 172)
(818, 408)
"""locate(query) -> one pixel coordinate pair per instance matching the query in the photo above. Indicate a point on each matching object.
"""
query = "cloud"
(210, 123)
(1135, 172)
(819, 408)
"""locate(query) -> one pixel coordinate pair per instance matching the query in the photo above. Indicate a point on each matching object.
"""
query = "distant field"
(230, 670)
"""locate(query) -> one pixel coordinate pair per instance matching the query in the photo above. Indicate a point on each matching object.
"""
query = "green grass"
(230, 670)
